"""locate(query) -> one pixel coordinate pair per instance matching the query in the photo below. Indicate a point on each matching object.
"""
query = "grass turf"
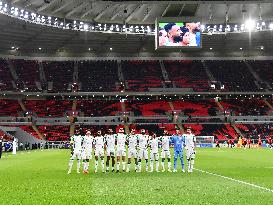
(41, 178)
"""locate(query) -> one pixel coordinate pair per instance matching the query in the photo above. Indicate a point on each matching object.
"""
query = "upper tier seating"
(28, 73)
(60, 73)
(139, 75)
(142, 75)
(264, 70)
(187, 74)
(98, 75)
(5, 76)
(234, 75)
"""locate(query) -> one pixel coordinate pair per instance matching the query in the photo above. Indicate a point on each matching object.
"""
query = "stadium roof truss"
(21, 37)
(145, 12)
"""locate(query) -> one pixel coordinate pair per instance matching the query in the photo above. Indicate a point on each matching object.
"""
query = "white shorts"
(190, 153)
(121, 153)
(143, 153)
(132, 153)
(110, 152)
(76, 154)
(99, 152)
(87, 154)
(154, 156)
(165, 153)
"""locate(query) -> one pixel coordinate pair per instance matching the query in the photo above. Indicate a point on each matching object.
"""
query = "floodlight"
(250, 24)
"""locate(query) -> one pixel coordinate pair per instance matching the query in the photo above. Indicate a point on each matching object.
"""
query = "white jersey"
(99, 142)
(87, 142)
(165, 140)
(190, 139)
(77, 142)
(143, 141)
(121, 139)
(154, 145)
(110, 141)
(14, 146)
(132, 142)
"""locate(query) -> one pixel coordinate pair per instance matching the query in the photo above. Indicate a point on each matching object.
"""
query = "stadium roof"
(145, 12)
(28, 37)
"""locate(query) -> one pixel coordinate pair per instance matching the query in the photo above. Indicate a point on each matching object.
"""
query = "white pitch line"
(235, 180)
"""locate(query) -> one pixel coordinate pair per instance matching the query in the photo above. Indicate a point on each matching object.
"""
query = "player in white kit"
(99, 150)
(14, 146)
(190, 140)
(154, 153)
(132, 149)
(76, 151)
(110, 140)
(121, 149)
(87, 148)
(165, 152)
(143, 141)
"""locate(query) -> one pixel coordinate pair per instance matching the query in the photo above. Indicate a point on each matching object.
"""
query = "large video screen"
(178, 34)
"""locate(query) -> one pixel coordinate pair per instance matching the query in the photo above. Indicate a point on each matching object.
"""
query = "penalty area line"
(235, 180)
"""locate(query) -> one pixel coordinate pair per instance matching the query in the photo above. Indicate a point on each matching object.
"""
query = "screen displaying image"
(179, 34)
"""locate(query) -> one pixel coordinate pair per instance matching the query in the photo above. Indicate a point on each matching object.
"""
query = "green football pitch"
(225, 176)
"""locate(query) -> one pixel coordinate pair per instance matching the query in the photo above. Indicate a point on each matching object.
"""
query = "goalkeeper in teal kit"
(179, 142)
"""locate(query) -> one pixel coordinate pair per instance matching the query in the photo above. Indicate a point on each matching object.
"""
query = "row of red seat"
(142, 75)
(58, 108)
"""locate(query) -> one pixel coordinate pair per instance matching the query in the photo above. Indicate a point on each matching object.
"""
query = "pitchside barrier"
(204, 141)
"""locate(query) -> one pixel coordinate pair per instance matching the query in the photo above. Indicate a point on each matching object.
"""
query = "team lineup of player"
(114, 147)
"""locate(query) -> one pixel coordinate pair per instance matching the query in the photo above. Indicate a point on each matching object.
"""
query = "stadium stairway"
(219, 105)
(34, 127)
(76, 72)
(238, 131)
(209, 74)
(163, 70)
(268, 104)
(179, 125)
(41, 72)
(256, 76)
(123, 109)
(72, 124)
(12, 70)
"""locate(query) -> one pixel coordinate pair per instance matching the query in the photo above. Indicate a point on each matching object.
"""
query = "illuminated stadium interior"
(72, 66)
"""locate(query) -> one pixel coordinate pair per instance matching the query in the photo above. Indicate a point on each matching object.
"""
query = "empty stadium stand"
(187, 74)
(142, 75)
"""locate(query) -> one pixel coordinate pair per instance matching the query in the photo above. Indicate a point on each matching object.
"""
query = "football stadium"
(136, 102)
